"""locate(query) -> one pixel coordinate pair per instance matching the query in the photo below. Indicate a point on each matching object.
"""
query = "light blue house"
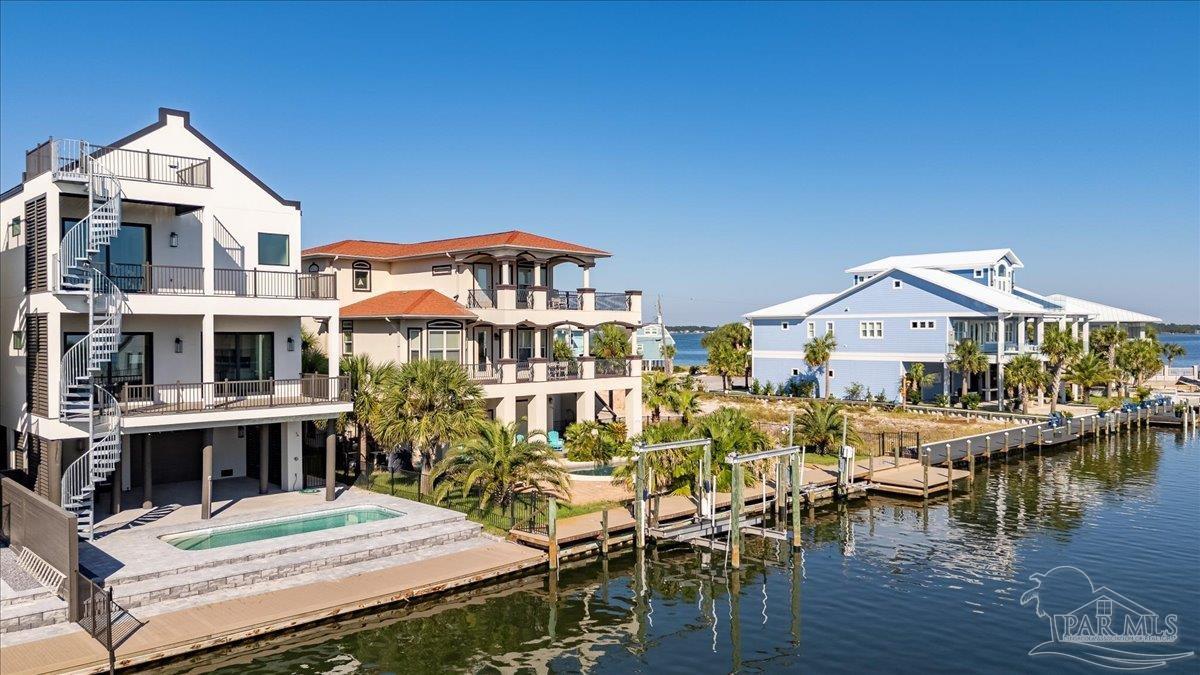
(911, 309)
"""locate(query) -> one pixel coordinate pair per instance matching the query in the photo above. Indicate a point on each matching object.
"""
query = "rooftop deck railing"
(258, 283)
(62, 156)
(612, 367)
(564, 300)
(182, 397)
(618, 302)
(563, 370)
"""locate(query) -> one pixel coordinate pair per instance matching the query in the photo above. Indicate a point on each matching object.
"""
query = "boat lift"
(706, 503)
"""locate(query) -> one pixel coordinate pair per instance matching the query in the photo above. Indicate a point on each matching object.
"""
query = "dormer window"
(362, 276)
(1002, 271)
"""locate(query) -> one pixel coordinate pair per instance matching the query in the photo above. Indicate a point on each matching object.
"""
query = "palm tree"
(915, 380)
(497, 463)
(1108, 339)
(731, 430)
(817, 353)
(1061, 350)
(967, 358)
(312, 356)
(1090, 370)
(1139, 359)
(427, 405)
(1025, 373)
(668, 354)
(367, 380)
(729, 351)
(591, 441)
(685, 403)
(820, 423)
(610, 341)
(1172, 351)
(656, 391)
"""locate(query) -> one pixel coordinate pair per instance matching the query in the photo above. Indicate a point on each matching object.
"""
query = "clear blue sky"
(730, 156)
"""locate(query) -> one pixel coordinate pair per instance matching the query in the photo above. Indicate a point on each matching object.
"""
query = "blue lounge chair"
(554, 441)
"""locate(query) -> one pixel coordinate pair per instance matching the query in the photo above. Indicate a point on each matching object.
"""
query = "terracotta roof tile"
(424, 303)
(387, 250)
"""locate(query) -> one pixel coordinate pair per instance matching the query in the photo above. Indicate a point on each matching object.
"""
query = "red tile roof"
(423, 303)
(386, 250)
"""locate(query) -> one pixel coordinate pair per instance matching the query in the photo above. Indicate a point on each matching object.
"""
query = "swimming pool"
(216, 537)
(593, 471)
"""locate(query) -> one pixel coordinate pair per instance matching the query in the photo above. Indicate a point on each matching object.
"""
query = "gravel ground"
(12, 574)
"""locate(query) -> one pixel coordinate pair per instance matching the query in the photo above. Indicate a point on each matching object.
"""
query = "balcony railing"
(618, 302)
(612, 367)
(275, 284)
(167, 399)
(524, 371)
(483, 372)
(524, 298)
(157, 279)
(563, 300)
(563, 370)
(481, 298)
(62, 156)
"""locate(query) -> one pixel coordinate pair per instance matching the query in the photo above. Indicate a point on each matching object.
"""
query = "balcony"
(612, 368)
(62, 157)
(557, 299)
(482, 298)
(563, 370)
(157, 279)
(170, 399)
(612, 302)
(275, 284)
(483, 372)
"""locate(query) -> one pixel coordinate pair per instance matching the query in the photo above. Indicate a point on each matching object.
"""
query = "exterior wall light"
(178, 345)
(291, 344)
(174, 240)
(241, 432)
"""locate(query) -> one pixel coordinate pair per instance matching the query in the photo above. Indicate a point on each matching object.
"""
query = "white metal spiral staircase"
(82, 400)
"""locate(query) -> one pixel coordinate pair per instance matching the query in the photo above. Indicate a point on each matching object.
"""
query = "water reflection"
(888, 582)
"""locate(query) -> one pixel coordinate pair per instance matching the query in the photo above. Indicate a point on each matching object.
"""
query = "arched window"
(313, 268)
(362, 275)
(1002, 271)
(445, 341)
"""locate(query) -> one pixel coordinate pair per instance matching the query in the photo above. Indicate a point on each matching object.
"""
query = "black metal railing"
(524, 297)
(157, 279)
(618, 302)
(483, 372)
(612, 367)
(564, 300)
(105, 620)
(563, 370)
(258, 283)
(481, 298)
(524, 371)
(166, 399)
(526, 511)
(63, 156)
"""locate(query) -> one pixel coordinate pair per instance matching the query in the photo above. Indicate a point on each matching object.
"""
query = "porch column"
(115, 500)
(587, 341)
(506, 338)
(1087, 336)
(538, 415)
(206, 475)
(538, 341)
(587, 277)
(506, 410)
(1020, 334)
(330, 459)
(264, 457)
(1000, 325)
(1041, 330)
(633, 410)
(987, 385)
(585, 407)
(147, 474)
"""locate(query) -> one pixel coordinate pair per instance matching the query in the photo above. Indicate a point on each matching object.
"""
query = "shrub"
(1104, 403)
(806, 388)
(941, 401)
(913, 396)
(881, 397)
(971, 401)
(854, 392)
(1143, 392)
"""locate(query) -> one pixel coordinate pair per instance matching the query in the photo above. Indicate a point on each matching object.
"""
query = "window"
(125, 257)
(132, 364)
(313, 268)
(18, 340)
(441, 270)
(896, 283)
(347, 336)
(414, 344)
(795, 371)
(829, 328)
(870, 330)
(272, 249)
(244, 356)
(812, 329)
(524, 345)
(362, 275)
(1001, 271)
(445, 341)
(978, 274)
(783, 326)
(923, 325)
(831, 375)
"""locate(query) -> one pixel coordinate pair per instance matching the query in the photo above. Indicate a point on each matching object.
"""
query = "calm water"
(688, 351)
(1190, 342)
(890, 585)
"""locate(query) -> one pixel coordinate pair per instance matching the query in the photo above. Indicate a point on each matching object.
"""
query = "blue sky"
(730, 156)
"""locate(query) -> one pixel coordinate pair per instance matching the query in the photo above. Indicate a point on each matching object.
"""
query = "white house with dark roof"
(908, 309)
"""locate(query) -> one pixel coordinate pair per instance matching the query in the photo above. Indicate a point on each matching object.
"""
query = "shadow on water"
(885, 582)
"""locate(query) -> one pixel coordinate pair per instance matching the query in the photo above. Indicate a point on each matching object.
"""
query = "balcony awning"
(425, 304)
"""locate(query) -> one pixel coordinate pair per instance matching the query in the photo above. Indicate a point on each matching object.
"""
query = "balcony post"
(208, 370)
(587, 368)
(587, 298)
(330, 458)
(539, 368)
(1020, 333)
(634, 299)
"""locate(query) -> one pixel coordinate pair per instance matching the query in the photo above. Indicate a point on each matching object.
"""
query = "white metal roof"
(955, 260)
(1004, 302)
(1038, 297)
(1101, 312)
(792, 308)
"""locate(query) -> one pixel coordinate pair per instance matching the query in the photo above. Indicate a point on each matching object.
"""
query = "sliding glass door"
(244, 356)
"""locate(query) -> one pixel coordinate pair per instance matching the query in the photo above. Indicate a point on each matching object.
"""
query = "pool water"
(593, 471)
(199, 540)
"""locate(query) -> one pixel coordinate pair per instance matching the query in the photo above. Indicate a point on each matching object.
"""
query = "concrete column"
(126, 462)
(538, 417)
(117, 482)
(506, 273)
(538, 340)
(633, 410)
(333, 346)
(147, 472)
(506, 343)
(585, 407)
(291, 453)
(1020, 333)
(330, 458)
(264, 457)
(587, 342)
(507, 410)
(587, 277)
(206, 475)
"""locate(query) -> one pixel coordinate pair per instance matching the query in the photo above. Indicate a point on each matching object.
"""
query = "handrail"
(564, 300)
(77, 159)
(179, 397)
(229, 243)
(481, 298)
(612, 302)
(282, 284)
(487, 370)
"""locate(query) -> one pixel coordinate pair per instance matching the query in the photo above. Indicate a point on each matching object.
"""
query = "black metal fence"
(526, 511)
(102, 618)
(612, 367)
(258, 283)
(564, 300)
(157, 279)
(481, 298)
(612, 302)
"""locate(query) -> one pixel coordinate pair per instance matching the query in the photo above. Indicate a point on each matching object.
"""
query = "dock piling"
(552, 532)
(604, 533)
(925, 475)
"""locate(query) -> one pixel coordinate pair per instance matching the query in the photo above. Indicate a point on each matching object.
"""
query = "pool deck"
(195, 628)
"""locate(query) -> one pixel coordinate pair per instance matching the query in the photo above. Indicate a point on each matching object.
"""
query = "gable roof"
(954, 260)
(164, 113)
(381, 250)
(1101, 312)
(1034, 296)
(425, 303)
(799, 307)
(973, 290)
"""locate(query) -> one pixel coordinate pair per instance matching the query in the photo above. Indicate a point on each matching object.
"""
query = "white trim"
(963, 314)
(829, 327)
(870, 330)
(840, 355)
(812, 330)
